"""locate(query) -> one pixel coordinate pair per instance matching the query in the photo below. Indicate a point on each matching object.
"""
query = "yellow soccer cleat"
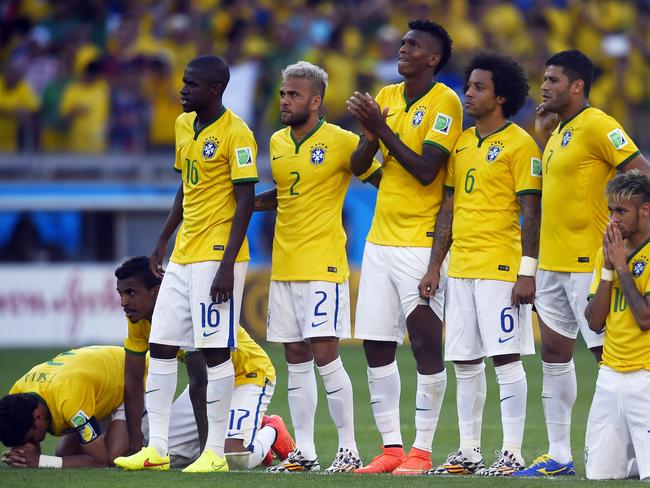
(208, 462)
(146, 458)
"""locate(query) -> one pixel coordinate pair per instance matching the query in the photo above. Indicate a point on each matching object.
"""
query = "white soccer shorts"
(561, 300)
(247, 407)
(300, 310)
(617, 442)
(185, 314)
(388, 290)
(480, 321)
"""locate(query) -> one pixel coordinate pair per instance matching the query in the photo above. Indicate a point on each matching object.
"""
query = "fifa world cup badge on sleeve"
(84, 427)
(244, 156)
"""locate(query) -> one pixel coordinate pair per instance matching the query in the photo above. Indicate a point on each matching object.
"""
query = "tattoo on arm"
(531, 218)
(442, 237)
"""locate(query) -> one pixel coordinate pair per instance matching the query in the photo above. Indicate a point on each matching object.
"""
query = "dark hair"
(625, 186)
(576, 66)
(138, 268)
(439, 33)
(16, 417)
(507, 75)
(213, 69)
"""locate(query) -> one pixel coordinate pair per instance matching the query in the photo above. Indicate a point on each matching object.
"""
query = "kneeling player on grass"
(249, 440)
(78, 396)
(616, 444)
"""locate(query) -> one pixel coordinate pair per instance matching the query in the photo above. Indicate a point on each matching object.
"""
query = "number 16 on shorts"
(217, 325)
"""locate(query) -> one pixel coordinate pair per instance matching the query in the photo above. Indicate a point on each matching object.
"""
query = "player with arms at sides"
(200, 295)
(616, 444)
(493, 176)
(415, 124)
(309, 298)
(252, 436)
(77, 396)
(584, 149)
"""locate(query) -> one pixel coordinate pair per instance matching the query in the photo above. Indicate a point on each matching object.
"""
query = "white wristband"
(50, 461)
(527, 266)
(607, 274)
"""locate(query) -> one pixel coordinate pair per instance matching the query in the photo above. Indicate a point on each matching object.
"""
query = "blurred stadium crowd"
(97, 76)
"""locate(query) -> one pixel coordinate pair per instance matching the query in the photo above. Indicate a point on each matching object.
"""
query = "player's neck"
(490, 123)
(300, 131)
(573, 109)
(208, 115)
(415, 87)
(635, 241)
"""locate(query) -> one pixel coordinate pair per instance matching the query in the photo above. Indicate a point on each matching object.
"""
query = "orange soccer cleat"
(384, 463)
(416, 463)
(284, 443)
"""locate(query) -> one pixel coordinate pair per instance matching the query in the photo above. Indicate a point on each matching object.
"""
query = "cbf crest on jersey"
(493, 151)
(418, 116)
(638, 267)
(318, 152)
(566, 137)
(210, 147)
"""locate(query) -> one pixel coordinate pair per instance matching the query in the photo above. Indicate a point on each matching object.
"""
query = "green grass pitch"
(14, 363)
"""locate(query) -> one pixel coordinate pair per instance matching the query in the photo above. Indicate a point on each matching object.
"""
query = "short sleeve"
(351, 143)
(137, 339)
(451, 171)
(242, 155)
(595, 281)
(612, 142)
(447, 121)
(527, 168)
(78, 410)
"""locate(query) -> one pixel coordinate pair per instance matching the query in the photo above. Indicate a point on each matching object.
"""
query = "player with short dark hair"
(585, 148)
(415, 124)
(493, 175)
(616, 445)
(200, 294)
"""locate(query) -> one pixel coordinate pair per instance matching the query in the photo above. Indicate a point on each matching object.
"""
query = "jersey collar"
(481, 139)
(565, 122)
(195, 124)
(299, 143)
(638, 249)
(410, 103)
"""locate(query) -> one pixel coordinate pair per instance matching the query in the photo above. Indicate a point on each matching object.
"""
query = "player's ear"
(434, 59)
(644, 209)
(500, 100)
(316, 102)
(578, 86)
(154, 291)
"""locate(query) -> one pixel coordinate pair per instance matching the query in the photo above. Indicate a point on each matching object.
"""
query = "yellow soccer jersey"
(312, 178)
(211, 161)
(252, 364)
(20, 97)
(487, 175)
(627, 348)
(582, 154)
(137, 338)
(406, 211)
(80, 387)
(89, 130)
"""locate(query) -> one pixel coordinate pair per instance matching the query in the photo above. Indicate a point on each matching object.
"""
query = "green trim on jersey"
(482, 139)
(439, 146)
(628, 159)
(531, 191)
(409, 103)
(179, 171)
(135, 353)
(565, 122)
(375, 172)
(636, 251)
(196, 120)
(245, 180)
(321, 121)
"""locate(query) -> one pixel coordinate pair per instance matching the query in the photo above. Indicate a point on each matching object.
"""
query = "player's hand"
(223, 283)
(367, 111)
(156, 259)
(616, 248)
(429, 283)
(545, 122)
(607, 264)
(25, 456)
(524, 291)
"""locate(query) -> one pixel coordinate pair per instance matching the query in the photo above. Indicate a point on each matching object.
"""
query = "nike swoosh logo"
(546, 397)
(148, 464)
(151, 391)
(418, 409)
(217, 467)
(502, 340)
(373, 403)
(460, 149)
(332, 392)
(205, 334)
(233, 434)
(296, 388)
(390, 115)
(277, 157)
(213, 401)
(552, 472)
(319, 323)
(505, 398)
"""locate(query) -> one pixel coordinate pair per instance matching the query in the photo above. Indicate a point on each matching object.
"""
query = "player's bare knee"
(325, 350)
(379, 353)
(234, 446)
(297, 352)
(215, 356)
(505, 359)
(163, 351)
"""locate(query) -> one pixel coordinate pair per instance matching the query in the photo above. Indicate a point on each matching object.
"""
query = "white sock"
(340, 401)
(471, 390)
(264, 439)
(428, 401)
(161, 386)
(559, 392)
(221, 381)
(513, 390)
(385, 386)
(302, 405)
